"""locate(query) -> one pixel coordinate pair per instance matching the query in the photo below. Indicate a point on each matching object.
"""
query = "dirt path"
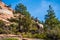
(2, 36)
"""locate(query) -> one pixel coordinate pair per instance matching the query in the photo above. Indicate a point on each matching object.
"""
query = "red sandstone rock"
(5, 12)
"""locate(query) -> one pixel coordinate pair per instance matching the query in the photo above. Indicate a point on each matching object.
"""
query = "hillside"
(5, 12)
(18, 23)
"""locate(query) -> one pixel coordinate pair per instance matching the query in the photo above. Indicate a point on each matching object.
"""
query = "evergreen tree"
(20, 8)
(50, 19)
(23, 22)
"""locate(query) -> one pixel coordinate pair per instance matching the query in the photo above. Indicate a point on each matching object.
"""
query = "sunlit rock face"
(5, 11)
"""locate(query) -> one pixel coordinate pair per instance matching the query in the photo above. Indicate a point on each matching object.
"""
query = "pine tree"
(24, 22)
(20, 8)
(50, 19)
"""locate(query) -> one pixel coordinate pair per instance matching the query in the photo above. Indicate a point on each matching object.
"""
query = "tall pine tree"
(50, 18)
(24, 22)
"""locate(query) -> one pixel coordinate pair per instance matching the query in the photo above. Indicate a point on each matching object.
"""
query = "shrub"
(41, 36)
(10, 39)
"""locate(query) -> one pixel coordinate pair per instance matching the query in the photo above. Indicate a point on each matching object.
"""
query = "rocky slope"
(5, 12)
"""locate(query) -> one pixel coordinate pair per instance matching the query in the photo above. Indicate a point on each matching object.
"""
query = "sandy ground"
(2, 36)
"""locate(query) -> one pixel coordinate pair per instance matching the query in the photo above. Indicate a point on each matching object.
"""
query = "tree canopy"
(20, 8)
(50, 18)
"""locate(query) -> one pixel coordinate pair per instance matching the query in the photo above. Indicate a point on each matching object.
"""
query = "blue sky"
(37, 8)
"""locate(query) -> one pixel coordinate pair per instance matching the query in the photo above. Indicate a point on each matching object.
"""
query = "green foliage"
(13, 20)
(10, 39)
(27, 26)
(1, 23)
(36, 35)
(50, 19)
(24, 24)
(20, 8)
(53, 34)
(1, 30)
(40, 36)
(13, 28)
(52, 25)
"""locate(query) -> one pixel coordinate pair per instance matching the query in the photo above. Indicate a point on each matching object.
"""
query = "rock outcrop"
(5, 12)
